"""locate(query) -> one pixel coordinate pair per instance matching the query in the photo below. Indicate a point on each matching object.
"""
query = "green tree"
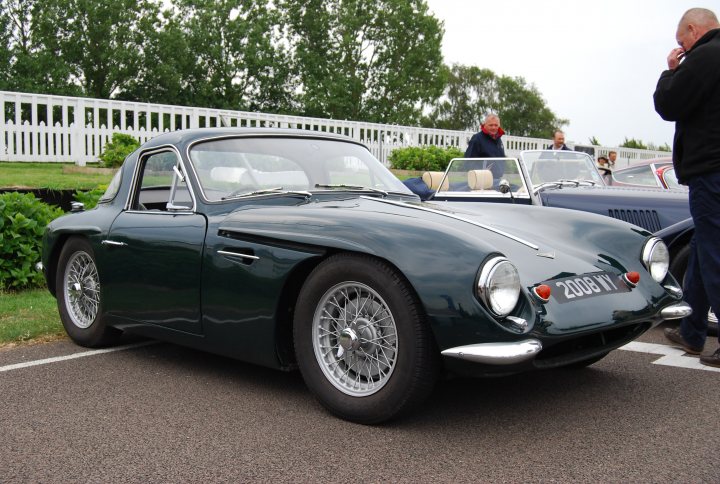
(371, 60)
(471, 92)
(97, 43)
(26, 64)
(238, 58)
(594, 141)
(633, 143)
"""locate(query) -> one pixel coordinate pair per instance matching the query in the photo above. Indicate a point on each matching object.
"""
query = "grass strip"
(30, 315)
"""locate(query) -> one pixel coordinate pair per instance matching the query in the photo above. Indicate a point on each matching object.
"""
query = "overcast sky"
(595, 63)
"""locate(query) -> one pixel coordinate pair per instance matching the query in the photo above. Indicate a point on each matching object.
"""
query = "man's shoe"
(711, 360)
(675, 336)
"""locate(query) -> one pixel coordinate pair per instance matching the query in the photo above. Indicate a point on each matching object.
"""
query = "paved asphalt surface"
(163, 413)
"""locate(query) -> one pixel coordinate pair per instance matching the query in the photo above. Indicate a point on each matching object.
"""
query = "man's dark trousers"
(702, 277)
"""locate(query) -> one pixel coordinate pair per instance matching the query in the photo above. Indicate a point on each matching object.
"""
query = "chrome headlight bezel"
(656, 259)
(498, 286)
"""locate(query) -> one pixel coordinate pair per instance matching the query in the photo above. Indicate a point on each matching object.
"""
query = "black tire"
(679, 263)
(578, 365)
(361, 341)
(79, 297)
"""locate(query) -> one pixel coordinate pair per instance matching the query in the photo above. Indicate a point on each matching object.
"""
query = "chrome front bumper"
(497, 353)
(676, 311)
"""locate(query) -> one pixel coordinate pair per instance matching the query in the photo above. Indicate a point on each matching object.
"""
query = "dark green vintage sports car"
(289, 248)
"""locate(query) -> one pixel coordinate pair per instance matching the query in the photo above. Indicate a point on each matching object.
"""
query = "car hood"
(440, 248)
(651, 208)
(539, 240)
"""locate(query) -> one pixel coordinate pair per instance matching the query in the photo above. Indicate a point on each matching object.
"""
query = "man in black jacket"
(558, 141)
(689, 94)
(487, 143)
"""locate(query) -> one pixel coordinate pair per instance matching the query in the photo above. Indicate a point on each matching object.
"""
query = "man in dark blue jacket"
(487, 143)
(558, 141)
(688, 93)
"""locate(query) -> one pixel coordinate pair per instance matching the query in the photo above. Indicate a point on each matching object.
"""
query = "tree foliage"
(371, 60)
(633, 143)
(472, 92)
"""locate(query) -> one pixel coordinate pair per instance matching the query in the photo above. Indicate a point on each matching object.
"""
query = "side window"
(162, 185)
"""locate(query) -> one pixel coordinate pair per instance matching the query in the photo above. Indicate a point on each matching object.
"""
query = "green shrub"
(117, 149)
(90, 198)
(22, 222)
(426, 158)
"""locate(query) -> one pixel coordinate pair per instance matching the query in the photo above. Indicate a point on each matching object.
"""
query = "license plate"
(572, 288)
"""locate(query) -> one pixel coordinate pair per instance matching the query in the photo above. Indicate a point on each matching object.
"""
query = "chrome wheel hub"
(82, 290)
(355, 339)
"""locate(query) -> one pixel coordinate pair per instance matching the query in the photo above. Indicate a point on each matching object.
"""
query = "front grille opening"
(584, 347)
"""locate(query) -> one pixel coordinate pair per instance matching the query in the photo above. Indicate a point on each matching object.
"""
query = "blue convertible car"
(295, 249)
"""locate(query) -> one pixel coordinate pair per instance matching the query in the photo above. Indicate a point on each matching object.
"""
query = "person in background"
(604, 169)
(612, 156)
(688, 92)
(558, 141)
(487, 143)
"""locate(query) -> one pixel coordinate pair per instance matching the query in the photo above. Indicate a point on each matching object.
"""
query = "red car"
(656, 172)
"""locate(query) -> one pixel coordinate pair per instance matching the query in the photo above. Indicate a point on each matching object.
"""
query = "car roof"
(187, 136)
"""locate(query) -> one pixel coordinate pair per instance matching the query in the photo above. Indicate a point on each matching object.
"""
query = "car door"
(153, 251)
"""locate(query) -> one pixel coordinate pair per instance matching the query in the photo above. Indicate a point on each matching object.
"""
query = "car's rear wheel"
(361, 340)
(79, 296)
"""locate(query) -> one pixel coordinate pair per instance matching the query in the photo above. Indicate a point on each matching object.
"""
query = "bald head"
(695, 23)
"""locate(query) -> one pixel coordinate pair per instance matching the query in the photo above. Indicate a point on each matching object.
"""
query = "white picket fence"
(45, 128)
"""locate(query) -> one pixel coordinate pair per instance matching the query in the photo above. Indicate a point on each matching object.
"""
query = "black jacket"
(690, 96)
(482, 145)
(564, 147)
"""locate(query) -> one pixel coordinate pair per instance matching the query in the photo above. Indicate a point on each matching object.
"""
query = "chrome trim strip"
(445, 214)
(236, 254)
(497, 353)
(676, 311)
(113, 243)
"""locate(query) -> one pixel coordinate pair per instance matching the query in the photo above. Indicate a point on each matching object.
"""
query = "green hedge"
(117, 149)
(22, 222)
(426, 158)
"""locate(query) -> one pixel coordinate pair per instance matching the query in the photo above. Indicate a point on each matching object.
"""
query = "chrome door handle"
(112, 243)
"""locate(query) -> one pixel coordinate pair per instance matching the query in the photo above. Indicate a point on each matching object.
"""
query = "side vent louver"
(646, 219)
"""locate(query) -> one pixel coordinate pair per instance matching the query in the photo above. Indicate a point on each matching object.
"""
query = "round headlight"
(656, 258)
(499, 286)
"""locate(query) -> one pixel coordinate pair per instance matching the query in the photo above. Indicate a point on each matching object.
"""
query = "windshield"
(553, 166)
(235, 167)
(671, 179)
(480, 177)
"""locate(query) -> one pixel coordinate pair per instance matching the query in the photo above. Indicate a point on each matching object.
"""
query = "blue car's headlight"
(656, 258)
(498, 286)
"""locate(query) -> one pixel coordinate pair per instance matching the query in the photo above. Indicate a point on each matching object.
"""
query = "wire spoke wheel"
(82, 290)
(355, 339)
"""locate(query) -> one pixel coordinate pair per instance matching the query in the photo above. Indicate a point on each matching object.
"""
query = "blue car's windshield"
(548, 166)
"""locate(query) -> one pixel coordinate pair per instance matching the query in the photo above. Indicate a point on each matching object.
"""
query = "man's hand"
(673, 59)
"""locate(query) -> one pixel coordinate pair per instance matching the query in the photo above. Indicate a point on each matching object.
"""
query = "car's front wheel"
(361, 340)
(78, 296)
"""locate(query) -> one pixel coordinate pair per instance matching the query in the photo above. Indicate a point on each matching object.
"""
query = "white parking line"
(45, 361)
(670, 356)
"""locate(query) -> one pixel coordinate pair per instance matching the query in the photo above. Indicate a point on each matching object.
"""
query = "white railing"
(38, 127)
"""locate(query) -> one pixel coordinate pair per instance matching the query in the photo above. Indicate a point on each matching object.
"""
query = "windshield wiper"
(563, 183)
(266, 191)
(353, 187)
